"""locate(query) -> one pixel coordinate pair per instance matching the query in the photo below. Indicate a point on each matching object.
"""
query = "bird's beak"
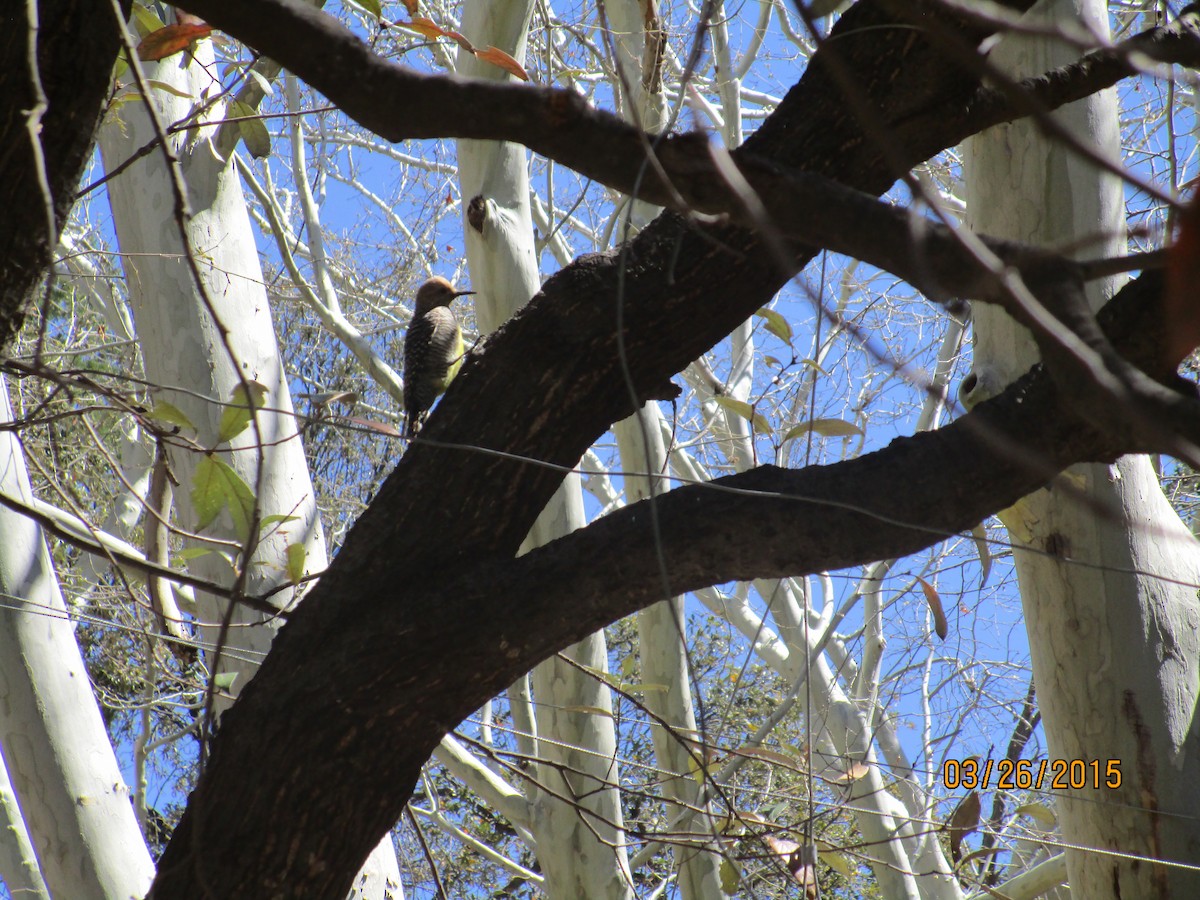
(462, 293)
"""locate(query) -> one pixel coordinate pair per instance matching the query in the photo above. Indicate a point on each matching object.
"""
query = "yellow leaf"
(837, 861)
(768, 755)
(745, 410)
(825, 428)
(776, 324)
(296, 554)
(856, 770)
(1039, 812)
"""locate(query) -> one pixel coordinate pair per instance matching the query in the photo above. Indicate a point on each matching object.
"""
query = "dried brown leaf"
(498, 57)
(169, 40)
(963, 821)
(935, 606)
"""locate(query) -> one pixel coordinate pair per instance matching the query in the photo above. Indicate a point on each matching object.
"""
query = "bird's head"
(437, 291)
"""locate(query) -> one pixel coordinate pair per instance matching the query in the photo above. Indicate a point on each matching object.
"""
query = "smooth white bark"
(1116, 655)
(206, 339)
(576, 815)
(19, 869)
(72, 796)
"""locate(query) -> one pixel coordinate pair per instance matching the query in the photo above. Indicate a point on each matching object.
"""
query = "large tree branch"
(756, 192)
(356, 691)
(388, 688)
(400, 104)
(48, 112)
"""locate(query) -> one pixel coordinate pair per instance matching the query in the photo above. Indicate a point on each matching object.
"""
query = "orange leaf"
(411, 6)
(499, 58)
(1182, 306)
(170, 40)
(427, 27)
(460, 40)
(935, 607)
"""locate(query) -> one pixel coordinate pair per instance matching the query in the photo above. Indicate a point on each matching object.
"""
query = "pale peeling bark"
(19, 869)
(661, 632)
(1116, 655)
(72, 797)
(637, 44)
(207, 352)
(576, 809)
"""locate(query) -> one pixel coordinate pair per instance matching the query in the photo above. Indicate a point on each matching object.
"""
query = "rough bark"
(76, 46)
(351, 677)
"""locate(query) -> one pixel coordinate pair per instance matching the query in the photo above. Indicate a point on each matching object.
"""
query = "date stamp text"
(1025, 774)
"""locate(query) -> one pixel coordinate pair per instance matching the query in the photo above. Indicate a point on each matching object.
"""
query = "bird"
(433, 350)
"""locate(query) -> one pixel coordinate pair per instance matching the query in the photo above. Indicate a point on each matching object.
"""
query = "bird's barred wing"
(431, 347)
(445, 339)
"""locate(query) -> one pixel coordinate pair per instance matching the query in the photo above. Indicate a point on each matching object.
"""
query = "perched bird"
(433, 350)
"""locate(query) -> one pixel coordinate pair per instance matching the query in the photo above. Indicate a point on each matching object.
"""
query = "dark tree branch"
(802, 206)
(315, 761)
(76, 46)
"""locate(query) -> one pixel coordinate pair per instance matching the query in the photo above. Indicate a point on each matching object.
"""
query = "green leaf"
(253, 130)
(296, 555)
(224, 681)
(643, 687)
(236, 416)
(217, 486)
(371, 6)
(813, 364)
(240, 500)
(825, 428)
(171, 414)
(267, 521)
(628, 666)
(777, 324)
(834, 859)
(194, 553)
(168, 88)
(730, 877)
(745, 410)
(146, 21)
(699, 771)
(261, 80)
(208, 498)
(588, 711)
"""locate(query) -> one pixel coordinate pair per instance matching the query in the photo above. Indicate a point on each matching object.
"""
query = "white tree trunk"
(662, 627)
(73, 799)
(580, 844)
(1116, 655)
(207, 352)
